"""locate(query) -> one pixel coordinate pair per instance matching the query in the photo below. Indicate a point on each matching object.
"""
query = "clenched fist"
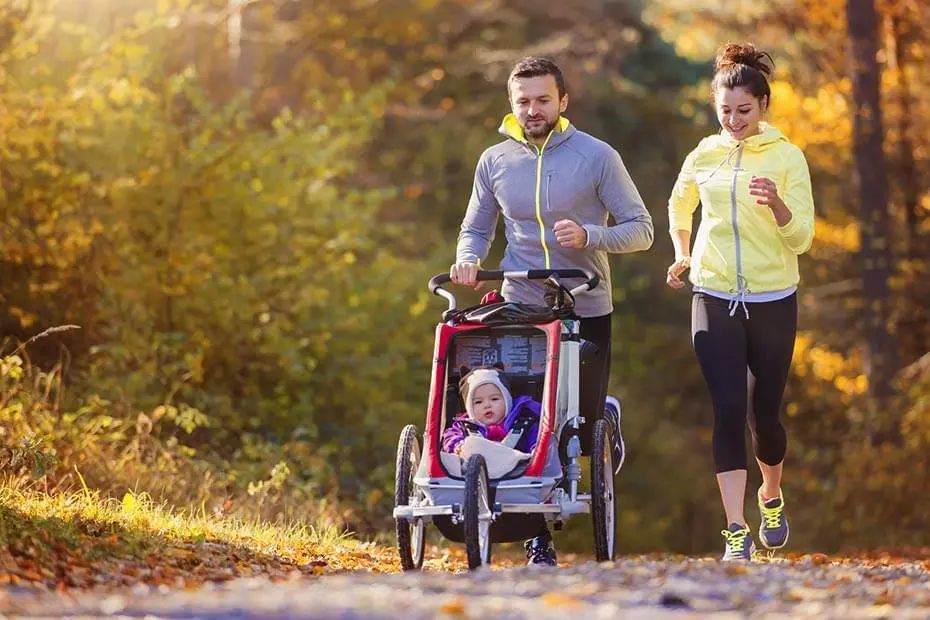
(570, 235)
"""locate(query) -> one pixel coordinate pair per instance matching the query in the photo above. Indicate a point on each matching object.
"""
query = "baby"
(491, 413)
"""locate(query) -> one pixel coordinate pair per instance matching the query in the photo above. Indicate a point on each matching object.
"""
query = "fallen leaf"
(455, 607)
(558, 599)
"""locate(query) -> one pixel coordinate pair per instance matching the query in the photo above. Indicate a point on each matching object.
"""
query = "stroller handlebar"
(591, 280)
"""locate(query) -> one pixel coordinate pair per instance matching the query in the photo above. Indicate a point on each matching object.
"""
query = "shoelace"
(772, 516)
(735, 540)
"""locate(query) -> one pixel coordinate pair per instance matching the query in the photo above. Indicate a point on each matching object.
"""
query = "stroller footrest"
(531, 508)
(413, 512)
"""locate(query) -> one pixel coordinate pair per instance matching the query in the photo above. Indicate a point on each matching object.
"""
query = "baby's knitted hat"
(478, 377)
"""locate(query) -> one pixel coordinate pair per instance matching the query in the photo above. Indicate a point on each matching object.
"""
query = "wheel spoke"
(484, 522)
(417, 531)
(609, 500)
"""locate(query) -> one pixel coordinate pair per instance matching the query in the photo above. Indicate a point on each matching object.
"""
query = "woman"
(757, 217)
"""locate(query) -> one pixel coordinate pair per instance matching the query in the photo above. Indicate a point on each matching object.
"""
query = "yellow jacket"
(739, 248)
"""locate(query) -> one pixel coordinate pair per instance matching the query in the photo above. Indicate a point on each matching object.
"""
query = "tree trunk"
(241, 47)
(910, 183)
(875, 252)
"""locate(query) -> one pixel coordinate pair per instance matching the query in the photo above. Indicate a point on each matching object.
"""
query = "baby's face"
(488, 404)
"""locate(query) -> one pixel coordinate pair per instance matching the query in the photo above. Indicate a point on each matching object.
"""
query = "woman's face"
(739, 112)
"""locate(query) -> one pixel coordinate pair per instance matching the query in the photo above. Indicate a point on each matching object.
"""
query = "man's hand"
(570, 235)
(464, 273)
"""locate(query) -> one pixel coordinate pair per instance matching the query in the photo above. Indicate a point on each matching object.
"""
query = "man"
(556, 186)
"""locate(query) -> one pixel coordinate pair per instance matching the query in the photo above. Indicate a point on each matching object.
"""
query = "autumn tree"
(873, 193)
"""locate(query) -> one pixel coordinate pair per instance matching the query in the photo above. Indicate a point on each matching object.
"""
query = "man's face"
(536, 104)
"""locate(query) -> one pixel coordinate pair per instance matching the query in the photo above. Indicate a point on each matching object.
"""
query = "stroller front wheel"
(477, 513)
(410, 537)
(602, 491)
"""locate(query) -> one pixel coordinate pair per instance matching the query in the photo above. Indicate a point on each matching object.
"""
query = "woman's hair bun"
(744, 54)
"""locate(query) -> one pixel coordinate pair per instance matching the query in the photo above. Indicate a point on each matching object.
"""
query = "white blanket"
(500, 459)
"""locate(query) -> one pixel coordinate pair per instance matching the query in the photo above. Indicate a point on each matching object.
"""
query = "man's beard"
(540, 131)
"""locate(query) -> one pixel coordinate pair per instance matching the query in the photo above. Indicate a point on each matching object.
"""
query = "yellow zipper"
(542, 228)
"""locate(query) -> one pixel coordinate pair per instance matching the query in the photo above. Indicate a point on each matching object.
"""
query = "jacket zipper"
(741, 288)
(542, 227)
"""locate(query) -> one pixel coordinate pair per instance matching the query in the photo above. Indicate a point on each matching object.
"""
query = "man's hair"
(532, 66)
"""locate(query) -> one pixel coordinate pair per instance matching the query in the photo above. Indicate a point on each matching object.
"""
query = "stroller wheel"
(410, 536)
(477, 513)
(602, 491)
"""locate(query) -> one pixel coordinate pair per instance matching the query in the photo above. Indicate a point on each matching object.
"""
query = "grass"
(82, 539)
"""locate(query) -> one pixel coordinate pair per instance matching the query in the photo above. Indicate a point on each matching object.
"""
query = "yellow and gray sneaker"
(773, 532)
(740, 546)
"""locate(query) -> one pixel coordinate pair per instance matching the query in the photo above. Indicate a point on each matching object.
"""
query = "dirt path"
(811, 586)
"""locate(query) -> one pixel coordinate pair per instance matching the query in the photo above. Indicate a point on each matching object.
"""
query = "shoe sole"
(752, 551)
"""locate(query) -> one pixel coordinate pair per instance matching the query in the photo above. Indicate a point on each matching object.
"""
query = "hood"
(510, 128)
(767, 137)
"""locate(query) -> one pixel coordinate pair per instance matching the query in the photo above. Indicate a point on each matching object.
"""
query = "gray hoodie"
(573, 176)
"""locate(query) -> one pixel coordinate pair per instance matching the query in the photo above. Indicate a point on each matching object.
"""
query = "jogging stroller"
(499, 496)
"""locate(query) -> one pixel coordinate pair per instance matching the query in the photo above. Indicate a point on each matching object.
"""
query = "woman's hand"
(681, 264)
(766, 193)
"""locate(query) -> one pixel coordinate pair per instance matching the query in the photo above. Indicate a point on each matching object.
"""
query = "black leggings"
(732, 350)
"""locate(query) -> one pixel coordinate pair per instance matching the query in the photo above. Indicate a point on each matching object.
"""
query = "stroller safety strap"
(519, 428)
(522, 424)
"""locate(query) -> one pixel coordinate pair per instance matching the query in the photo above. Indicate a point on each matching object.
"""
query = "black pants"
(595, 372)
(733, 350)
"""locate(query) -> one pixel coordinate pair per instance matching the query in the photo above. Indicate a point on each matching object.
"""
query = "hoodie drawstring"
(741, 292)
(722, 163)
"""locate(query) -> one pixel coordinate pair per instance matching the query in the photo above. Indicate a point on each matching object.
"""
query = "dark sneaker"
(539, 552)
(739, 543)
(612, 415)
(773, 532)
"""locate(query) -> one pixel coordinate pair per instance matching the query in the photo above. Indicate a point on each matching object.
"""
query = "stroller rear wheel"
(477, 513)
(602, 491)
(410, 537)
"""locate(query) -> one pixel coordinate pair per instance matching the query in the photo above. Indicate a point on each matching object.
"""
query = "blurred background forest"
(239, 203)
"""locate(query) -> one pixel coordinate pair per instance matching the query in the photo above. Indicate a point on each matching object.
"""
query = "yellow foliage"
(26, 319)
(820, 119)
(842, 372)
(826, 365)
(837, 236)
(129, 503)
(120, 92)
